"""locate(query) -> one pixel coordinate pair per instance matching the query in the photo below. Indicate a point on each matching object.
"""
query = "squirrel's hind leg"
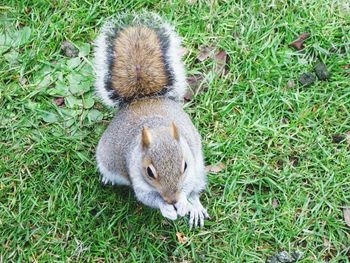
(111, 177)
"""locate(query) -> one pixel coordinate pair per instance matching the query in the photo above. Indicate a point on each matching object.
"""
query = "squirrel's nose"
(170, 201)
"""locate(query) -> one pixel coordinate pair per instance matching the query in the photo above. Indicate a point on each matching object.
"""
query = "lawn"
(285, 146)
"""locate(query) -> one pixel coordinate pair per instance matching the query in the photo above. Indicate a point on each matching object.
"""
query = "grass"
(286, 181)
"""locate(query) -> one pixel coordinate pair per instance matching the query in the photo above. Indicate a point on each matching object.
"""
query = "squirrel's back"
(138, 56)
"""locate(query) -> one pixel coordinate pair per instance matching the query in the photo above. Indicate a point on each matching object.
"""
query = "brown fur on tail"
(139, 68)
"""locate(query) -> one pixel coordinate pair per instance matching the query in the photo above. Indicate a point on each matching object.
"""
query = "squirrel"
(151, 144)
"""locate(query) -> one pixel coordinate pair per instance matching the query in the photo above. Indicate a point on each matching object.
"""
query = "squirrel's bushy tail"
(136, 56)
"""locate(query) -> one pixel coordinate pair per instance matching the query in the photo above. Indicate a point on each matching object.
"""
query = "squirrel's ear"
(174, 131)
(146, 137)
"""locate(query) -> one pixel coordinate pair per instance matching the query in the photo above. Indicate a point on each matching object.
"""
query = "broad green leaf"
(46, 70)
(69, 113)
(31, 105)
(73, 63)
(89, 102)
(12, 57)
(5, 40)
(79, 88)
(84, 50)
(74, 88)
(60, 89)
(61, 64)
(95, 115)
(85, 86)
(87, 70)
(24, 34)
(73, 102)
(45, 82)
(74, 78)
(21, 36)
(69, 122)
(50, 117)
(59, 76)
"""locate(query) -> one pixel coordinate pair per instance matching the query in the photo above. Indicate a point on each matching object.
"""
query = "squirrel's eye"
(150, 172)
(185, 166)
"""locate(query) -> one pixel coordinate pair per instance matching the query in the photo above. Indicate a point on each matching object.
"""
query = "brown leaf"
(181, 237)
(59, 101)
(69, 50)
(299, 43)
(326, 242)
(285, 120)
(220, 60)
(27, 10)
(215, 168)
(23, 81)
(291, 83)
(195, 86)
(275, 203)
(338, 138)
(346, 68)
(346, 211)
(205, 52)
(235, 34)
(183, 51)
(294, 160)
(348, 137)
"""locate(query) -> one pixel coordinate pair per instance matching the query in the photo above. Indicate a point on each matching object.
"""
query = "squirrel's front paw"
(197, 214)
(182, 206)
(168, 211)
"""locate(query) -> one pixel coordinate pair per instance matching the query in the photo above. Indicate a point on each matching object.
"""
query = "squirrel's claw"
(197, 212)
(104, 181)
(197, 215)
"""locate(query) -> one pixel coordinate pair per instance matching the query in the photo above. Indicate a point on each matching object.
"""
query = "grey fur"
(120, 154)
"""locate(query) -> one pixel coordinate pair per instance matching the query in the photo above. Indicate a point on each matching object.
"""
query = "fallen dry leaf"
(346, 68)
(27, 10)
(69, 50)
(326, 242)
(205, 52)
(195, 86)
(322, 71)
(235, 34)
(338, 138)
(183, 51)
(294, 160)
(291, 83)
(299, 43)
(181, 237)
(59, 101)
(23, 81)
(346, 212)
(215, 168)
(274, 203)
(348, 137)
(220, 60)
(285, 120)
(307, 79)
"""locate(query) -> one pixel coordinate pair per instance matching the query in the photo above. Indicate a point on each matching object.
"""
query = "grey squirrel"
(151, 143)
